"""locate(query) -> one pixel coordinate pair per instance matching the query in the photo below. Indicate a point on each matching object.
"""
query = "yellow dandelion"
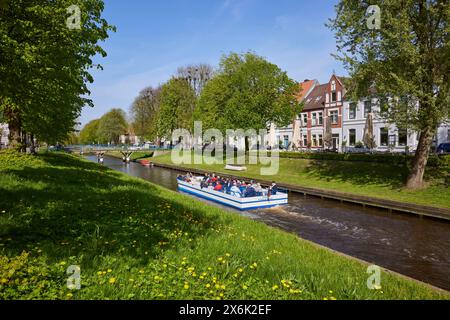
(112, 280)
(244, 287)
(62, 263)
(186, 286)
(208, 285)
(69, 295)
(275, 287)
(109, 270)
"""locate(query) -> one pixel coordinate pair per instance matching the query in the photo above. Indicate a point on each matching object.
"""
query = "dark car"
(443, 148)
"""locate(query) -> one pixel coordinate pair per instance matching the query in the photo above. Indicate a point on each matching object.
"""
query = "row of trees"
(45, 65)
(246, 92)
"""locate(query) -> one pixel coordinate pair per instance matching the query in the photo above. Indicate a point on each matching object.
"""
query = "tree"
(45, 64)
(196, 75)
(89, 133)
(248, 92)
(111, 126)
(406, 59)
(177, 104)
(328, 134)
(144, 113)
(369, 138)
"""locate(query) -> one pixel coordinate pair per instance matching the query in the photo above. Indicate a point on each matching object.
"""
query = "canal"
(416, 247)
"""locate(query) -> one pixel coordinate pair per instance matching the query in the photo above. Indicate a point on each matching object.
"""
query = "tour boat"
(236, 202)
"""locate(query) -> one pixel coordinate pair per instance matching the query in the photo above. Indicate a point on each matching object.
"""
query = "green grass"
(360, 178)
(135, 240)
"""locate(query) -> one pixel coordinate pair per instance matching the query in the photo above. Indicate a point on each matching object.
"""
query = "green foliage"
(144, 113)
(44, 69)
(392, 159)
(111, 126)
(248, 92)
(134, 240)
(405, 62)
(89, 133)
(177, 104)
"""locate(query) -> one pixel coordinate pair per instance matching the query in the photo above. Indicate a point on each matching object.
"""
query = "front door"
(335, 142)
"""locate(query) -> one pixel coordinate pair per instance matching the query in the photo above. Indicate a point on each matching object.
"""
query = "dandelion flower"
(109, 270)
(112, 280)
(275, 287)
(186, 286)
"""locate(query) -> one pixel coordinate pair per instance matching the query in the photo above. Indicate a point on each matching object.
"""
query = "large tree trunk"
(15, 132)
(415, 178)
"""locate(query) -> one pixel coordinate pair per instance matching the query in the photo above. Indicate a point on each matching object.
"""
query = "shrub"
(393, 159)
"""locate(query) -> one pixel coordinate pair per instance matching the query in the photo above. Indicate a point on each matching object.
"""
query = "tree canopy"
(144, 113)
(111, 126)
(44, 65)
(405, 58)
(89, 133)
(177, 104)
(248, 92)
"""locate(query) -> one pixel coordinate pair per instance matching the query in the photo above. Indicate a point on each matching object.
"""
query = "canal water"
(418, 248)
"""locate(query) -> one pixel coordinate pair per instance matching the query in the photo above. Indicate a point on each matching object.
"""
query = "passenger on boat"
(218, 187)
(250, 192)
(273, 189)
(235, 191)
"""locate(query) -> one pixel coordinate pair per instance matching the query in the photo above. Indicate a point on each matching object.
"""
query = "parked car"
(443, 148)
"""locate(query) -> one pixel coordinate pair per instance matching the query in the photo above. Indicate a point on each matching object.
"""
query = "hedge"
(393, 159)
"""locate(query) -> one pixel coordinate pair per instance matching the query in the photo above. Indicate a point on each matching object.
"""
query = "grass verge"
(376, 180)
(134, 240)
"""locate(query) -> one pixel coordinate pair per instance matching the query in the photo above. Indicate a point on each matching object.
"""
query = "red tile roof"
(305, 88)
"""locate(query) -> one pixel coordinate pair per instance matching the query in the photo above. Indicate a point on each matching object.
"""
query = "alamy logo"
(74, 279)
(374, 19)
(73, 22)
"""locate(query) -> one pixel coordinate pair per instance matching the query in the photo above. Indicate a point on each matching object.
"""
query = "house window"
(352, 137)
(448, 135)
(313, 142)
(384, 137)
(367, 108)
(305, 119)
(314, 119)
(320, 118)
(333, 91)
(352, 111)
(305, 140)
(334, 116)
(402, 137)
(320, 140)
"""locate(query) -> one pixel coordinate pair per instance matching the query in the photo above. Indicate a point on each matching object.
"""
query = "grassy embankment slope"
(360, 178)
(134, 240)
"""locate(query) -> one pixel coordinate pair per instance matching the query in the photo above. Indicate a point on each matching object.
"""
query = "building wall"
(359, 123)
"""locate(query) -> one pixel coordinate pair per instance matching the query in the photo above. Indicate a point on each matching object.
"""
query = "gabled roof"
(306, 87)
(316, 99)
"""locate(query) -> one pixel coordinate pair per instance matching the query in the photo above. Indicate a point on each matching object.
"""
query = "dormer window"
(333, 91)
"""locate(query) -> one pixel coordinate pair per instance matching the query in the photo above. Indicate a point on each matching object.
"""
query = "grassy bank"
(134, 240)
(360, 178)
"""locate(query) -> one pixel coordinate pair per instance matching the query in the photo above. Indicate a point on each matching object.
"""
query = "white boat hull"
(232, 201)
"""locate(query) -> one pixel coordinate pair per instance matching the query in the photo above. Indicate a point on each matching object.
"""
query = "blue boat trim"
(233, 200)
(240, 205)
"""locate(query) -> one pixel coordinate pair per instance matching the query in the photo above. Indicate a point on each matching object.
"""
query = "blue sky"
(155, 37)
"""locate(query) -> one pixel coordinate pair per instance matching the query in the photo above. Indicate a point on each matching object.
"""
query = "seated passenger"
(235, 191)
(218, 187)
(250, 192)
